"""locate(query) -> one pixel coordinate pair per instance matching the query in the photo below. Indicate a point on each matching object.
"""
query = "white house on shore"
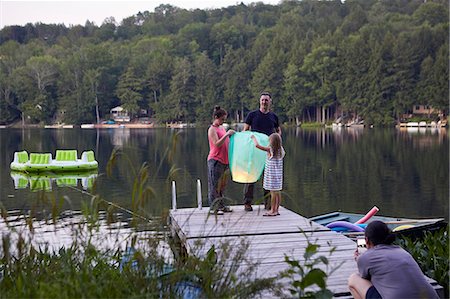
(118, 114)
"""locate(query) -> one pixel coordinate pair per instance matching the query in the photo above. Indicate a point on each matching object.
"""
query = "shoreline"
(402, 126)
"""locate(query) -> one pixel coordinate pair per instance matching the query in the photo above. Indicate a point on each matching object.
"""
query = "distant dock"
(269, 239)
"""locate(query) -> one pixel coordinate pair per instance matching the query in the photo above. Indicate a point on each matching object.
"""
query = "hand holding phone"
(361, 246)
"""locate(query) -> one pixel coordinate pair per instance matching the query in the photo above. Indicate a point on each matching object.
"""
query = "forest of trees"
(371, 58)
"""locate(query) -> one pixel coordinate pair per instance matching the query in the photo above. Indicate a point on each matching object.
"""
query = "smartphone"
(361, 245)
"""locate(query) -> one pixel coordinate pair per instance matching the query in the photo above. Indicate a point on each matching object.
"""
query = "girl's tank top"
(219, 153)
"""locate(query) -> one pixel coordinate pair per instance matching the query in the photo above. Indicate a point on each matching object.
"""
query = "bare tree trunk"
(323, 114)
(96, 108)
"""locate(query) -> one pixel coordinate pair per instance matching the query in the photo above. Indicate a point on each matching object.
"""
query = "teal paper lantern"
(247, 161)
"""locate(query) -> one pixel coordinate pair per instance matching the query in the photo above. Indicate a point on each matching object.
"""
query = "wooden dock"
(269, 240)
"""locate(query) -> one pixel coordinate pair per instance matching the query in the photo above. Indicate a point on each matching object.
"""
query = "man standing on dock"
(264, 121)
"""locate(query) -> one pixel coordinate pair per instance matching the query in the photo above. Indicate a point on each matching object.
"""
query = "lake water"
(404, 173)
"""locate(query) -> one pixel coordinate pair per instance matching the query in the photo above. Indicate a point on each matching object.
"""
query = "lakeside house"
(119, 114)
(424, 110)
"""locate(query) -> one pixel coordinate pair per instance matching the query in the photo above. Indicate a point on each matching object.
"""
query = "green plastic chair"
(21, 157)
(88, 156)
(66, 155)
(40, 158)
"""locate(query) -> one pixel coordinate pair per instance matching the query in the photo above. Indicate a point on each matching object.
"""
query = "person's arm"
(363, 263)
(248, 122)
(264, 148)
(277, 124)
(278, 130)
(212, 135)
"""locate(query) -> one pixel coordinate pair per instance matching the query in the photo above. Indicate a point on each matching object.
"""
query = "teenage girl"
(218, 139)
(273, 171)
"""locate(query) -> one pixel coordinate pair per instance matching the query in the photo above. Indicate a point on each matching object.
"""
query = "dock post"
(174, 196)
(199, 194)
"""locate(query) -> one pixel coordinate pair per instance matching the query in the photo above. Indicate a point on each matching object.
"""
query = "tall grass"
(103, 261)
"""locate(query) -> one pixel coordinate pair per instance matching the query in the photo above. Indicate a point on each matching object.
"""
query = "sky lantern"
(246, 161)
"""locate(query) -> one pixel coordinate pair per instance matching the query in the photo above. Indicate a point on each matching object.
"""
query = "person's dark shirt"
(266, 123)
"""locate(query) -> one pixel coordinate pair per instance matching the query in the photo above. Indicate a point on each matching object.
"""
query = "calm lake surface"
(404, 173)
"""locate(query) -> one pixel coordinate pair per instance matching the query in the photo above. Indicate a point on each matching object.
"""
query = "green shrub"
(432, 254)
(311, 125)
(309, 274)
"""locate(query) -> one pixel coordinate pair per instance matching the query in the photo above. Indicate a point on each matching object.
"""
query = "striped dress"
(273, 172)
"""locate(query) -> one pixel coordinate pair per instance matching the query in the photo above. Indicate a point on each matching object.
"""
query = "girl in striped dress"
(273, 171)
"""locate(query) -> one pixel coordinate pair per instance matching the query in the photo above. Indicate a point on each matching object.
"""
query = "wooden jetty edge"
(269, 240)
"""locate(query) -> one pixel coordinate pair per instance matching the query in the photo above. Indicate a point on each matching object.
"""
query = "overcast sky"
(77, 12)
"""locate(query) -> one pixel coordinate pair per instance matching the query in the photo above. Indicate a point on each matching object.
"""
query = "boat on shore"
(87, 126)
(422, 124)
(402, 226)
(66, 160)
(178, 125)
(60, 126)
(123, 126)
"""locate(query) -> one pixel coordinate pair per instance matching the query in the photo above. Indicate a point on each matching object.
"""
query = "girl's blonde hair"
(275, 144)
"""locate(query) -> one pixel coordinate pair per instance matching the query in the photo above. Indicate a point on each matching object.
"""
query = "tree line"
(373, 59)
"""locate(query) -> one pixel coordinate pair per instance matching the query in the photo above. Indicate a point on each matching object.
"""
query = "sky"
(78, 12)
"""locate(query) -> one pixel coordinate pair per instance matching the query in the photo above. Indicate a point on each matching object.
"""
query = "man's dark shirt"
(266, 123)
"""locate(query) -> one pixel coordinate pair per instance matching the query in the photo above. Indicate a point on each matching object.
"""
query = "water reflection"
(119, 137)
(45, 181)
(332, 136)
(423, 137)
(349, 169)
(72, 228)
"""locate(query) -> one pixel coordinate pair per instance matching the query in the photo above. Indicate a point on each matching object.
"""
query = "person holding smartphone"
(386, 270)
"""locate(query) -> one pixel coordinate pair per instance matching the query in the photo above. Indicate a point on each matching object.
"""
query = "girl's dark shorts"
(372, 293)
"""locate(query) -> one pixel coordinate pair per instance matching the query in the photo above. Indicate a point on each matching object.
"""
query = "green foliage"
(372, 59)
(81, 270)
(311, 125)
(308, 274)
(431, 252)
(129, 90)
(221, 273)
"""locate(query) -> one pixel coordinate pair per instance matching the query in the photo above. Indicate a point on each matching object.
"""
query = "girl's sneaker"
(226, 209)
(216, 212)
